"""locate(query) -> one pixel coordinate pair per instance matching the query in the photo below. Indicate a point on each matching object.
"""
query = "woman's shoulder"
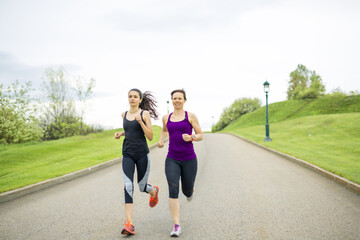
(191, 114)
(123, 114)
(192, 117)
(165, 117)
(145, 113)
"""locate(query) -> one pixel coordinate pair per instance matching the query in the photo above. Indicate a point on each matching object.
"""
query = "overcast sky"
(217, 50)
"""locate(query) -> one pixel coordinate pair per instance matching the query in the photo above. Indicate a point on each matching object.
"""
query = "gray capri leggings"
(143, 168)
(186, 170)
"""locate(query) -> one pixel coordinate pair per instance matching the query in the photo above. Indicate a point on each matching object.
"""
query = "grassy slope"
(316, 131)
(291, 109)
(25, 164)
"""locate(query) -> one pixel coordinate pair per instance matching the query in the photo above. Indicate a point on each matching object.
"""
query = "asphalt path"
(242, 192)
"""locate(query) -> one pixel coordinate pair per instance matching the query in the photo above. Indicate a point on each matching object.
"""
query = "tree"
(60, 116)
(83, 90)
(59, 111)
(56, 88)
(305, 84)
(18, 108)
(238, 108)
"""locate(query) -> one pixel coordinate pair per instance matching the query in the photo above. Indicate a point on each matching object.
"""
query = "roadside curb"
(9, 195)
(340, 180)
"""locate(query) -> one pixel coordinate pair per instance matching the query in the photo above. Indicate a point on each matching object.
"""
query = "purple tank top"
(178, 148)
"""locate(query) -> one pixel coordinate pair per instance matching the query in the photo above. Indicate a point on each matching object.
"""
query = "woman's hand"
(160, 144)
(138, 118)
(117, 135)
(187, 137)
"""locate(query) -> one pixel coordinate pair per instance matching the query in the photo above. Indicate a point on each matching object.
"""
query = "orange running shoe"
(129, 228)
(154, 200)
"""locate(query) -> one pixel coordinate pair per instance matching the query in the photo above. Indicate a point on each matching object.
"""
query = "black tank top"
(134, 144)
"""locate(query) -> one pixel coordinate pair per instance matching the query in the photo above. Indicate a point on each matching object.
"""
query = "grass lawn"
(292, 109)
(330, 141)
(25, 164)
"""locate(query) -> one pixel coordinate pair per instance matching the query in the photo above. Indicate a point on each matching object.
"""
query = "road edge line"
(354, 187)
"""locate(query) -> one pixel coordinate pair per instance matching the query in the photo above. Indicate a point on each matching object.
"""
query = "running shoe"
(176, 231)
(129, 228)
(154, 200)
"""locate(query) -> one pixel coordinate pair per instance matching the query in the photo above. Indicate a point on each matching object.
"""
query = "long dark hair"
(148, 102)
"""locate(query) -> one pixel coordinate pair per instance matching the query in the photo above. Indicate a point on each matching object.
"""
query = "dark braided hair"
(148, 102)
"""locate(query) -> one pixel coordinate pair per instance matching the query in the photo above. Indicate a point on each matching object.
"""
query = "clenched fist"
(138, 118)
(186, 137)
(160, 144)
(117, 135)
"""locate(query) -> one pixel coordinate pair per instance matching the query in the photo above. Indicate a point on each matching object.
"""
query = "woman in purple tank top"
(181, 160)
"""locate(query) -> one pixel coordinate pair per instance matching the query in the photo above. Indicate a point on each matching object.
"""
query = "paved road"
(242, 192)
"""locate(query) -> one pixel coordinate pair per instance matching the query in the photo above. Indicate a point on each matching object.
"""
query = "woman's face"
(178, 100)
(134, 98)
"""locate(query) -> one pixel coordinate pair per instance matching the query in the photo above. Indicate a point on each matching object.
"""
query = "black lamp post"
(267, 129)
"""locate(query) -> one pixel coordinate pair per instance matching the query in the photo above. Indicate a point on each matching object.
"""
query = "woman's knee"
(173, 190)
(128, 186)
(188, 191)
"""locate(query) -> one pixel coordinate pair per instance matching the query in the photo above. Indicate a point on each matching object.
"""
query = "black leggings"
(175, 169)
(143, 168)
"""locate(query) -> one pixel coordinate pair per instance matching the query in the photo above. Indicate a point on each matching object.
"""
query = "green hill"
(291, 109)
(324, 132)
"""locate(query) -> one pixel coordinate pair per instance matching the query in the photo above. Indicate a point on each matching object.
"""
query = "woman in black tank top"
(137, 127)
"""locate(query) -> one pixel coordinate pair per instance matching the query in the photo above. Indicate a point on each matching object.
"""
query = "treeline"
(48, 113)
(237, 109)
(303, 84)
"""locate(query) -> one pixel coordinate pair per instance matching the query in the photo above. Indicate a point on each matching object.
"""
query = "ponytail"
(148, 103)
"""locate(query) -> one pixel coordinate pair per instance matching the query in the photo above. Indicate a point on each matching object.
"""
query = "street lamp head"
(266, 87)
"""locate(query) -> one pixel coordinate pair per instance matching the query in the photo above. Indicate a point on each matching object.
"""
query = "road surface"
(242, 192)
